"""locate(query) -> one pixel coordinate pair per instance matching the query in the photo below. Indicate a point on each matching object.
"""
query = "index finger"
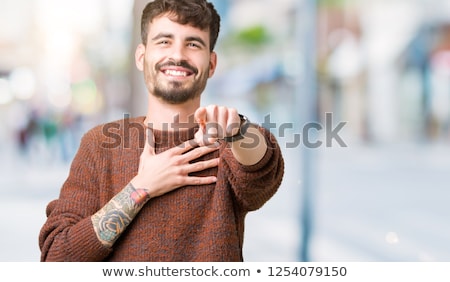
(200, 117)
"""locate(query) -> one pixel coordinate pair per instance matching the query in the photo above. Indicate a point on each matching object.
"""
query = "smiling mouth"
(177, 70)
(177, 73)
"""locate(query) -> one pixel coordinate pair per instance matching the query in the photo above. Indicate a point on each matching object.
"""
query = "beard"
(174, 92)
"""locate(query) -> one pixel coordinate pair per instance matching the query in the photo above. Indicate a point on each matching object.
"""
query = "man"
(180, 189)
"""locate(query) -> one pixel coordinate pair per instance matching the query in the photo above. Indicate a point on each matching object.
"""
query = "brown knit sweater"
(193, 223)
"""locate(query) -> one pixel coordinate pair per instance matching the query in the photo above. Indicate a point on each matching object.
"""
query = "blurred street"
(379, 203)
(386, 203)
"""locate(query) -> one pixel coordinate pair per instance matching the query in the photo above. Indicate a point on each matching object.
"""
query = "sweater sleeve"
(254, 185)
(68, 234)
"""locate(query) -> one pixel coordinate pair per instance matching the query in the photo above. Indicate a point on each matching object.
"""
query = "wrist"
(244, 124)
(138, 195)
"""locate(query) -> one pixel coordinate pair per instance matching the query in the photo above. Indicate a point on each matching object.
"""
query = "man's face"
(176, 61)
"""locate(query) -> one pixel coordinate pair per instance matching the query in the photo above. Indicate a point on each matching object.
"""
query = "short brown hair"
(197, 13)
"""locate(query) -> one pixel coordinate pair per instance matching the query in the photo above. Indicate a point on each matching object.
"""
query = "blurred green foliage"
(253, 36)
(332, 3)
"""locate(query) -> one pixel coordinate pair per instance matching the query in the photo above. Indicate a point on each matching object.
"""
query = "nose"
(178, 52)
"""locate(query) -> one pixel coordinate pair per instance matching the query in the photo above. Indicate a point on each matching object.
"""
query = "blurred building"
(60, 72)
(375, 59)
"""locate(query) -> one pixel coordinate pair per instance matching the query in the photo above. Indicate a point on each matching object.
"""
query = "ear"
(139, 56)
(212, 63)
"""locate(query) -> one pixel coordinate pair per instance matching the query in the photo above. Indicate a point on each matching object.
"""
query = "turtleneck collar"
(173, 137)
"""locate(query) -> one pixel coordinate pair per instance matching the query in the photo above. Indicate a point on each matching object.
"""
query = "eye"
(193, 45)
(163, 42)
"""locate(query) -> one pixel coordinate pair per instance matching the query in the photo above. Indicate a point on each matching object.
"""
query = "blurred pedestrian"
(177, 183)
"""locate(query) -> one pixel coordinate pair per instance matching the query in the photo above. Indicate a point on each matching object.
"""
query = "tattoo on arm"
(112, 220)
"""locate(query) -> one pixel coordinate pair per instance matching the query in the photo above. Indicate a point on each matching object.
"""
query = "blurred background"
(375, 188)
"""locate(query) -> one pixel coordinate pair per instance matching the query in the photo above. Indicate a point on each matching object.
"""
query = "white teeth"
(176, 73)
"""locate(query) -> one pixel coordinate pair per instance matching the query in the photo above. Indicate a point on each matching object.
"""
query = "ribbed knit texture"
(192, 223)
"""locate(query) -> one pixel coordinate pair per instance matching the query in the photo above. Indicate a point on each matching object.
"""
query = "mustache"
(183, 64)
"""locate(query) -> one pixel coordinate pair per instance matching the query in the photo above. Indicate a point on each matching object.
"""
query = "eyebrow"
(189, 38)
(162, 35)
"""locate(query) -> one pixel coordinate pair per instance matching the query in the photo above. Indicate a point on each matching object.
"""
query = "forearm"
(251, 149)
(262, 179)
(112, 220)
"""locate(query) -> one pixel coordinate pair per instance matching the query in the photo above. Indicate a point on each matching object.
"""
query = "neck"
(165, 116)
